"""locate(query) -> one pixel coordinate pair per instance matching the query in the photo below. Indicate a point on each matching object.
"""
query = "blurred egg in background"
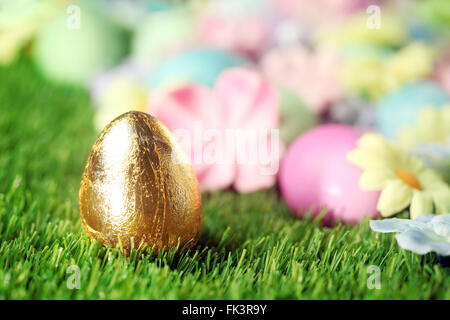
(163, 33)
(73, 51)
(315, 174)
(402, 107)
(200, 65)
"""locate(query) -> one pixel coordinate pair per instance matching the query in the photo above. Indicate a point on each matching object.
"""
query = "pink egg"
(315, 174)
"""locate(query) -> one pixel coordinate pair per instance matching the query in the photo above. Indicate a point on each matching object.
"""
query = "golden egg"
(138, 184)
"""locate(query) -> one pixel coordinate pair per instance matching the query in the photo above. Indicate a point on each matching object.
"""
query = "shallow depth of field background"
(250, 247)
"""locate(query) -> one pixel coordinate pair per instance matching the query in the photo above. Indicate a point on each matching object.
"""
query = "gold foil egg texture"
(139, 184)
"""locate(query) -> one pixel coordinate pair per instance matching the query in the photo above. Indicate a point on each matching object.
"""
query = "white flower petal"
(391, 225)
(419, 242)
(442, 227)
(443, 248)
(427, 233)
(425, 218)
(395, 197)
(443, 218)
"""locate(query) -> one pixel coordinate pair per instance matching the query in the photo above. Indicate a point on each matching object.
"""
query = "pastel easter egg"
(139, 186)
(130, 14)
(340, 192)
(315, 174)
(131, 69)
(200, 66)
(120, 96)
(295, 116)
(402, 107)
(150, 44)
(66, 51)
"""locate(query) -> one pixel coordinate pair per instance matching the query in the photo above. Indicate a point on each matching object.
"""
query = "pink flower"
(226, 131)
(314, 77)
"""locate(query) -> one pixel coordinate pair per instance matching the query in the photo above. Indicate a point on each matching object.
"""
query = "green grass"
(250, 246)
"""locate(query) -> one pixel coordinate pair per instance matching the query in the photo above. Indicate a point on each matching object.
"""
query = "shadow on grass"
(443, 261)
(207, 254)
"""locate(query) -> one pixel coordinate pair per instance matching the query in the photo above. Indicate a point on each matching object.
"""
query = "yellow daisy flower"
(371, 83)
(403, 180)
(433, 126)
(355, 30)
(384, 75)
(415, 61)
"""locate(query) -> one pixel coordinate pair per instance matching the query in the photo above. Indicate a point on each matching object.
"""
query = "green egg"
(68, 52)
(163, 33)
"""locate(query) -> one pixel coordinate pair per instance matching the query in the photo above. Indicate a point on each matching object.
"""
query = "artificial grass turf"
(250, 247)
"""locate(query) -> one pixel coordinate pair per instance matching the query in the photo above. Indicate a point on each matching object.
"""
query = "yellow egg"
(138, 184)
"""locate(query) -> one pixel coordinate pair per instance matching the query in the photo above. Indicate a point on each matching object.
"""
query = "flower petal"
(425, 218)
(427, 233)
(441, 225)
(420, 242)
(390, 225)
(257, 169)
(416, 241)
(374, 142)
(395, 197)
(183, 107)
(414, 165)
(421, 203)
(375, 179)
(442, 200)
(431, 180)
(366, 159)
(247, 99)
(217, 177)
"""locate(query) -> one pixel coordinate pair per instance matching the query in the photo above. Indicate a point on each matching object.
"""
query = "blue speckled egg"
(201, 66)
(402, 107)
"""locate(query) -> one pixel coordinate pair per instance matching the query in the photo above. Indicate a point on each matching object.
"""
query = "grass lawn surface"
(250, 247)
